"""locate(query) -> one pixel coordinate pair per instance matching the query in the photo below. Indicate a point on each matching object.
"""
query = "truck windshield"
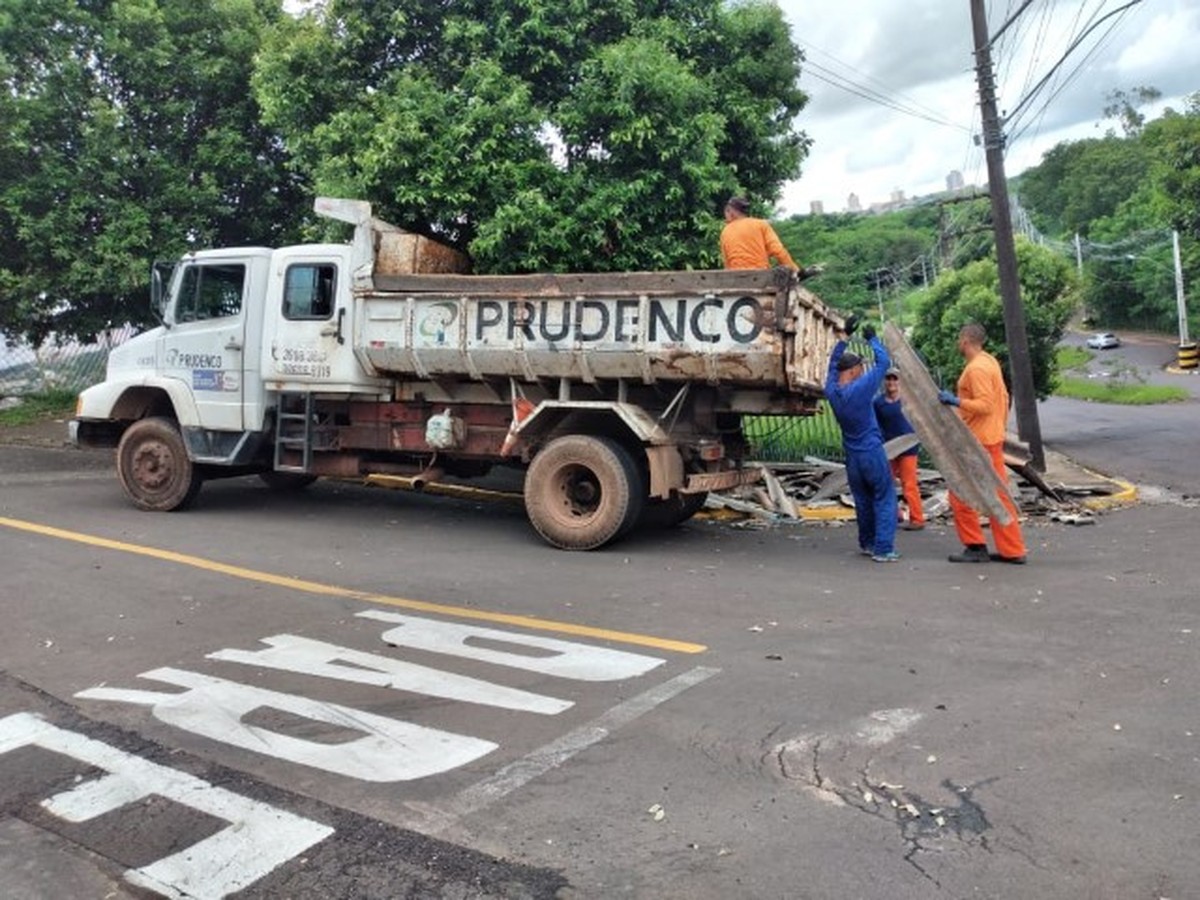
(210, 292)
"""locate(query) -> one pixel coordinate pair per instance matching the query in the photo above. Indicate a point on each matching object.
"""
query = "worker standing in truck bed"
(750, 243)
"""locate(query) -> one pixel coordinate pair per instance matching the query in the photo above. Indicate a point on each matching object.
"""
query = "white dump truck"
(621, 396)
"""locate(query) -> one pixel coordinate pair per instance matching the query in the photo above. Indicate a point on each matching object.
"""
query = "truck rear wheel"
(583, 491)
(154, 467)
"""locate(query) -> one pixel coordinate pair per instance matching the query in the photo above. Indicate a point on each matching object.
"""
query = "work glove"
(868, 332)
(948, 398)
(851, 324)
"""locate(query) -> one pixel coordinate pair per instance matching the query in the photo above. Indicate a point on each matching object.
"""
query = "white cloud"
(919, 53)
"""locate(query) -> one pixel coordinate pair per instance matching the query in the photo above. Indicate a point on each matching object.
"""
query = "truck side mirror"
(160, 277)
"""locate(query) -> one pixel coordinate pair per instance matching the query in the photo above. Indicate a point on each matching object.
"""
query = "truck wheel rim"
(578, 490)
(153, 464)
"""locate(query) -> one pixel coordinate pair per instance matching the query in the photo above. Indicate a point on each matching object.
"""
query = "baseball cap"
(848, 361)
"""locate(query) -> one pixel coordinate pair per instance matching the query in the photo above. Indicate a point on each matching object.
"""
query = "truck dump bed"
(757, 330)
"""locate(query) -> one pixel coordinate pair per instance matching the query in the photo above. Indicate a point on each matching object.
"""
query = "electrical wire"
(866, 93)
(1029, 97)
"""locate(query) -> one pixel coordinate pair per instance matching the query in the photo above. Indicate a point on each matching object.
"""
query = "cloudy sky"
(918, 55)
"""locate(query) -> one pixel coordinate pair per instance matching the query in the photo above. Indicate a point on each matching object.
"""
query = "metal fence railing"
(67, 366)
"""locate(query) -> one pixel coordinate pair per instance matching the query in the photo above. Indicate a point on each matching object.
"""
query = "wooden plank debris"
(955, 451)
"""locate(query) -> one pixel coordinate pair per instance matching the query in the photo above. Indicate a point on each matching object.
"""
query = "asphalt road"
(1154, 446)
(357, 693)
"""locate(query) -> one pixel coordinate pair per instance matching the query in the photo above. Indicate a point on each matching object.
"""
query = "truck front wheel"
(154, 466)
(582, 492)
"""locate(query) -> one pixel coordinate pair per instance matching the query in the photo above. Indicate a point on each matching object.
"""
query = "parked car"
(1103, 341)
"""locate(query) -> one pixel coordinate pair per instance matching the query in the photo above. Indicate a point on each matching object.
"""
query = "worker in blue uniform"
(850, 389)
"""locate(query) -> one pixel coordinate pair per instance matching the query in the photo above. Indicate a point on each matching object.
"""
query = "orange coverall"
(748, 243)
(983, 406)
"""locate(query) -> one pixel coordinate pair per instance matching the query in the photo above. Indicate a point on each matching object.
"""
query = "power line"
(861, 88)
(1029, 97)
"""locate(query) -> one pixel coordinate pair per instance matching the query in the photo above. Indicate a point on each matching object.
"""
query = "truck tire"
(154, 467)
(583, 491)
(283, 482)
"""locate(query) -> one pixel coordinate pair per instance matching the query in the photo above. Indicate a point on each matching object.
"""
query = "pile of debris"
(817, 489)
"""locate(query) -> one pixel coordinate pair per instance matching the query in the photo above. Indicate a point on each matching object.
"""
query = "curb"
(1128, 494)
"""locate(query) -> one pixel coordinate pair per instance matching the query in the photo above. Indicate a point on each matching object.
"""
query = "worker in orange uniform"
(982, 402)
(749, 243)
(893, 423)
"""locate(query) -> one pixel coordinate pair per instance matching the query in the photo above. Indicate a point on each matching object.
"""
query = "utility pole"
(1181, 304)
(1021, 366)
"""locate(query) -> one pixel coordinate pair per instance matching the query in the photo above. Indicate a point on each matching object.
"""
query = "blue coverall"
(867, 465)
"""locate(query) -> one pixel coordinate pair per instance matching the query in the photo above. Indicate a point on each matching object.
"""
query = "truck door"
(206, 344)
(308, 333)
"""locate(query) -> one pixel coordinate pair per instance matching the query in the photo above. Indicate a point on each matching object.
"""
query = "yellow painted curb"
(1127, 494)
(825, 513)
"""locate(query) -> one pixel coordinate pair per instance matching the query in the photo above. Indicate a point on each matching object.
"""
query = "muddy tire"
(284, 482)
(154, 467)
(671, 512)
(582, 492)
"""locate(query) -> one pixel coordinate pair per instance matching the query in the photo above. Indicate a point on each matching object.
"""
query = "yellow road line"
(315, 587)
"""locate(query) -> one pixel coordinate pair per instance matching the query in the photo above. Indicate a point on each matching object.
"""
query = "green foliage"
(1049, 295)
(1116, 391)
(1067, 358)
(1114, 189)
(1082, 181)
(129, 134)
(542, 134)
(863, 251)
(53, 404)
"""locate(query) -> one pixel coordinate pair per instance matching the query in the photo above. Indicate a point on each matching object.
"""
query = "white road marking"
(259, 839)
(389, 750)
(563, 659)
(297, 654)
(444, 817)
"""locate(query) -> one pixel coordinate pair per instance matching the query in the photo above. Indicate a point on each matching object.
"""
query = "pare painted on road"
(257, 839)
(387, 749)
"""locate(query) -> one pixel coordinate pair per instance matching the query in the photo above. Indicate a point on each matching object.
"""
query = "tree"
(1173, 142)
(1124, 106)
(130, 134)
(1078, 182)
(857, 250)
(542, 134)
(1049, 291)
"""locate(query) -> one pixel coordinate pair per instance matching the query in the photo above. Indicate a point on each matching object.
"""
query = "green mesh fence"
(791, 438)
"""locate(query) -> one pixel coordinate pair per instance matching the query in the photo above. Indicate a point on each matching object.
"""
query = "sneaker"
(913, 526)
(1012, 560)
(865, 551)
(893, 556)
(974, 554)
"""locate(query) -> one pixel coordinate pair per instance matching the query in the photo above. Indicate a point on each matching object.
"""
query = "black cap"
(741, 204)
(848, 361)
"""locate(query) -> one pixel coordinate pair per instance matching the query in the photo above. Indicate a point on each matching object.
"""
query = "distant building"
(954, 181)
(817, 207)
(897, 197)
(853, 203)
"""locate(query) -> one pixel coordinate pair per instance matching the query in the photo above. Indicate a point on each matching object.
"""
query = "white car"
(1104, 341)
